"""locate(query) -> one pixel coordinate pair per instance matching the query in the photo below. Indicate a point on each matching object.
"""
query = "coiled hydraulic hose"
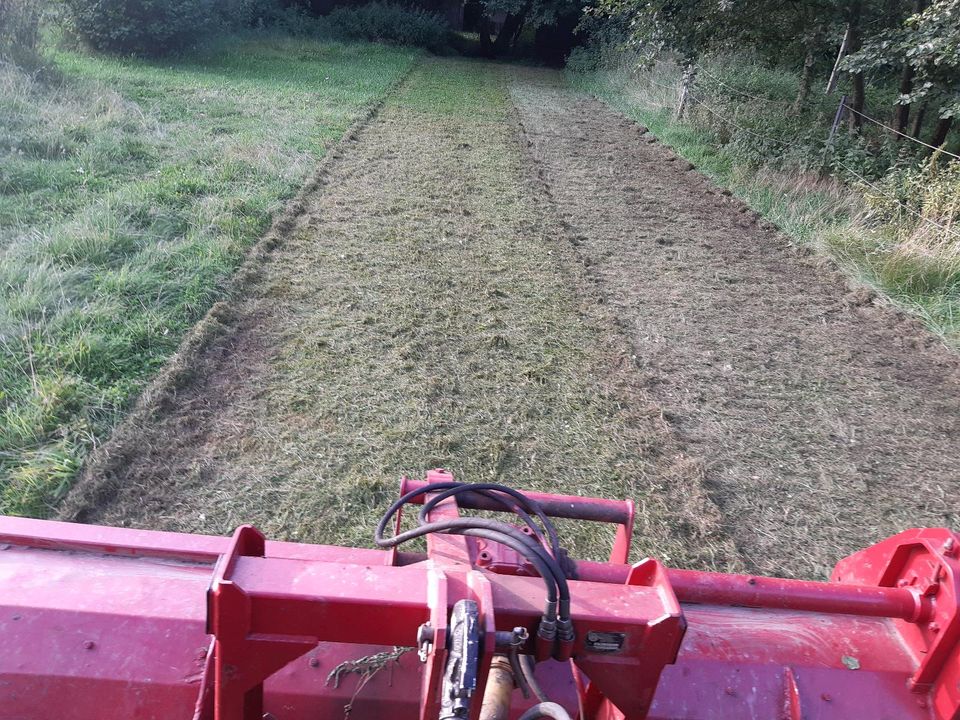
(522, 507)
(558, 591)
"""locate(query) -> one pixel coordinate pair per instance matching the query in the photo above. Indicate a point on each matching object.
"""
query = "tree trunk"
(918, 121)
(859, 98)
(486, 45)
(505, 37)
(806, 77)
(901, 111)
(518, 32)
(858, 103)
(940, 131)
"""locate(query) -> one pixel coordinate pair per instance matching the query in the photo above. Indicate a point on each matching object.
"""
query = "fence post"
(688, 77)
(835, 74)
(837, 119)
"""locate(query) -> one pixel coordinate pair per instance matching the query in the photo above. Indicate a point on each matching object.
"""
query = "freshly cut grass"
(426, 311)
(129, 192)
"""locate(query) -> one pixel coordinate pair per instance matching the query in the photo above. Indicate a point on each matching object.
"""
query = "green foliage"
(129, 192)
(607, 45)
(19, 29)
(929, 42)
(271, 14)
(908, 241)
(656, 26)
(691, 28)
(143, 27)
(391, 23)
(930, 189)
(535, 13)
(920, 46)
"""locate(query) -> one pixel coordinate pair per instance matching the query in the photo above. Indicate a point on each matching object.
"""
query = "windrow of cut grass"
(129, 192)
(897, 235)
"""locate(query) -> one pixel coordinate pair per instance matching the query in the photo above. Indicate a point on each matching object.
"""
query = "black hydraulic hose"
(533, 549)
(526, 664)
(456, 487)
(519, 677)
(528, 548)
(507, 504)
(501, 533)
(489, 490)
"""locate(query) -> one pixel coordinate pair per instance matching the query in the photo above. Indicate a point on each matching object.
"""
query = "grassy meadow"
(129, 192)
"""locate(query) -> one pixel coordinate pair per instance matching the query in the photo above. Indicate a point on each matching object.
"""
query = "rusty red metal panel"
(89, 637)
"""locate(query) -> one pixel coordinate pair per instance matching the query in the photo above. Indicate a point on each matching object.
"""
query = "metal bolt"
(88, 645)
(934, 627)
(424, 641)
(730, 691)
(949, 548)
(825, 697)
(520, 636)
(314, 662)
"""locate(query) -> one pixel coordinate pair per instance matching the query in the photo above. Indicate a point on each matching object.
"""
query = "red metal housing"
(102, 623)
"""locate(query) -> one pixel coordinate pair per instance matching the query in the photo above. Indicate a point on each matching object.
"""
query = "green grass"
(129, 192)
(916, 269)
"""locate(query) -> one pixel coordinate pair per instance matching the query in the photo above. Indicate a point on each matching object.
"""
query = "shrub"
(930, 189)
(143, 27)
(391, 23)
(271, 14)
(19, 29)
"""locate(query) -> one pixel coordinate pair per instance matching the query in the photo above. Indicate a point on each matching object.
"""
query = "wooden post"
(835, 74)
(688, 77)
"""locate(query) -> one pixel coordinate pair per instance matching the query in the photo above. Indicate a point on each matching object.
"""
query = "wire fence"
(877, 189)
(843, 104)
(768, 101)
(784, 143)
(897, 132)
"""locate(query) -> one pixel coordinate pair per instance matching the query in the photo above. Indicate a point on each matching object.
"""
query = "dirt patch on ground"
(824, 419)
(424, 311)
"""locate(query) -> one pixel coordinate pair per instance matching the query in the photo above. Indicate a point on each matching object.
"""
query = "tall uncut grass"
(129, 192)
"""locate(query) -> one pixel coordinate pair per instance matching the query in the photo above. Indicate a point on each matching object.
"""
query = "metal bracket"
(463, 661)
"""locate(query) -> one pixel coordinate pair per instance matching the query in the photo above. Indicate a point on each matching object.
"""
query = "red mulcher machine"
(493, 622)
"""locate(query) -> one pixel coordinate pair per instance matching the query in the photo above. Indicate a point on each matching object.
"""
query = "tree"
(928, 43)
(519, 14)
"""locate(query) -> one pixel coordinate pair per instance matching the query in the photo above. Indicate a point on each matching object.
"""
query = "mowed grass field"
(426, 311)
(129, 193)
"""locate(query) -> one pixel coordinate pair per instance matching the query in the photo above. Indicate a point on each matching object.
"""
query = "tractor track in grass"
(503, 277)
